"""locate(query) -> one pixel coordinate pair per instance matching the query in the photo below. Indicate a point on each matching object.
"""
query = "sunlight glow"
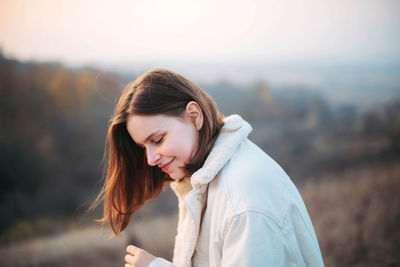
(220, 31)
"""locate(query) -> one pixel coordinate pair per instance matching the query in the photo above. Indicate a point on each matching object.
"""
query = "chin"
(177, 176)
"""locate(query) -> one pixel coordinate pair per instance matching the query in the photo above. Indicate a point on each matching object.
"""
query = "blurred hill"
(53, 123)
(308, 136)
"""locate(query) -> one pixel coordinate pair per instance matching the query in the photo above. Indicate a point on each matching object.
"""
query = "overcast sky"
(200, 30)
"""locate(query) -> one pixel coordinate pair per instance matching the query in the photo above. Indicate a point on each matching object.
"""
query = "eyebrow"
(149, 137)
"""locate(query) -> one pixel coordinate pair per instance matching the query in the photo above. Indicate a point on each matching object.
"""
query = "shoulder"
(253, 181)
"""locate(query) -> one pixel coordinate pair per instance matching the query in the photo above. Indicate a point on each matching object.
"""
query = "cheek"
(188, 151)
(191, 144)
(182, 146)
(174, 147)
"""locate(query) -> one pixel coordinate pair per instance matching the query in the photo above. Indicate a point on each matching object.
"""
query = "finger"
(132, 249)
(130, 259)
(128, 265)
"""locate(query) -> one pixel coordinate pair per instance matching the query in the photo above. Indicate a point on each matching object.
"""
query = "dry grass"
(85, 247)
(156, 235)
(357, 217)
(92, 246)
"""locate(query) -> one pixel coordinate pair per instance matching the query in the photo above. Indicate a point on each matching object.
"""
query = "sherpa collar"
(234, 131)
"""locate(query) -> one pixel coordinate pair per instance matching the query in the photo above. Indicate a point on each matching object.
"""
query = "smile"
(166, 166)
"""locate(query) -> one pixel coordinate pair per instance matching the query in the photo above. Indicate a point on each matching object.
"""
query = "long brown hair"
(129, 181)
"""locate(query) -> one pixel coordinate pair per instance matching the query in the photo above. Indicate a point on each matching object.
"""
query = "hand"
(137, 257)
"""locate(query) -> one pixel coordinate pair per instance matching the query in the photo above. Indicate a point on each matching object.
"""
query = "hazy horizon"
(220, 33)
(334, 47)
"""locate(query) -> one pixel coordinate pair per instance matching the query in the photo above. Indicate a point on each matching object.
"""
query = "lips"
(165, 167)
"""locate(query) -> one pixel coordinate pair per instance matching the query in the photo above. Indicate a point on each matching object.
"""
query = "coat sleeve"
(254, 239)
(160, 262)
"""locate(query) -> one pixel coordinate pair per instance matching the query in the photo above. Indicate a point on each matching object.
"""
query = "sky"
(219, 32)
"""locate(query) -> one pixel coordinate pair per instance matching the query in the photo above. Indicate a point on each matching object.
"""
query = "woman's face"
(169, 141)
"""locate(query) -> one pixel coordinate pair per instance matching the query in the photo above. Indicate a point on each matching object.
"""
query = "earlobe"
(195, 113)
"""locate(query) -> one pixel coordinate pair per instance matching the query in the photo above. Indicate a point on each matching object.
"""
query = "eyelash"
(159, 141)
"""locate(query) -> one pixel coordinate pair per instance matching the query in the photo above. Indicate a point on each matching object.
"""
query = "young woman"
(237, 207)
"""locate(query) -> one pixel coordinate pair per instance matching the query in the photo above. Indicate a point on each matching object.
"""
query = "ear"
(195, 114)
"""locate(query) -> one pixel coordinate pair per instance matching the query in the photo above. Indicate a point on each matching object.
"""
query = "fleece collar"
(234, 131)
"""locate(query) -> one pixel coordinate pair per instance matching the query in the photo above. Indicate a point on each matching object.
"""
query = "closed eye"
(159, 141)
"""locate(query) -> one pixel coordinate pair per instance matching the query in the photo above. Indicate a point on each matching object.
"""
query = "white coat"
(241, 209)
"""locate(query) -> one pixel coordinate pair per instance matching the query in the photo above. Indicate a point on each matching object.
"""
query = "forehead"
(142, 126)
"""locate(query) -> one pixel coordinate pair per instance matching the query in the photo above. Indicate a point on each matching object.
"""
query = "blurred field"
(356, 217)
(92, 246)
(84, 247)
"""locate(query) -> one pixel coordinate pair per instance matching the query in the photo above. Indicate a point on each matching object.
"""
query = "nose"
(152, 157)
